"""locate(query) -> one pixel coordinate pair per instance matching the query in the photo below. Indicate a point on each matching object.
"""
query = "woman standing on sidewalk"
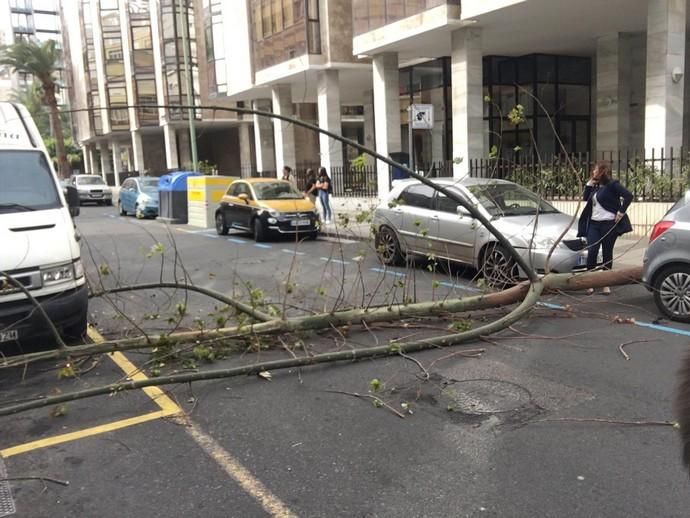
(603, 219)
(324, 188)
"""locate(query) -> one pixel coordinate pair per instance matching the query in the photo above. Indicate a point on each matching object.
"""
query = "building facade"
(589, 76)
(133, 96)
(29, 19)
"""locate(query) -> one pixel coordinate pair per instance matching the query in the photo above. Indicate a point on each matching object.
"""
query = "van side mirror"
(72, 196)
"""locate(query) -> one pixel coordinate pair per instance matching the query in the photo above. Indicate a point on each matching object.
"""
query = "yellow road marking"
(80, 434)
(250, 484)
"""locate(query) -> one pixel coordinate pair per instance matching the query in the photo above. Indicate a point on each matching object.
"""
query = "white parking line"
(262, 245)
(389, 272)
(238, 241)
(336, 240)
(294, 252)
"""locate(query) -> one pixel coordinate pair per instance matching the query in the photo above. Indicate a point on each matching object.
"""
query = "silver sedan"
(417, 220)
(667, 262)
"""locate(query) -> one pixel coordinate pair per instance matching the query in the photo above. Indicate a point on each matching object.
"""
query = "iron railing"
(655, 176)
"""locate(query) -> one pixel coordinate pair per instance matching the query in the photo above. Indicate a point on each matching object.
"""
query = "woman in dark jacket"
(603, 218)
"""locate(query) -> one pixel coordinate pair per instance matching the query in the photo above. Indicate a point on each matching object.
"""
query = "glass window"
(573, 99)
(141, 38)
(509, 199)
(418, 196)
(276, 191)
(26, 182)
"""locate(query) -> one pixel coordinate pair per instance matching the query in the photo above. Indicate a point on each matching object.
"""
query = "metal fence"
(656, 176)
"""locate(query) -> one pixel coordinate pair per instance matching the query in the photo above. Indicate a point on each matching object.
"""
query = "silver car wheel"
(674, 293)
(498, 267)
(387, 246)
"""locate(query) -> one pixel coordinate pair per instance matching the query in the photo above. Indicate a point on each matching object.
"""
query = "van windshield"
(26, 182)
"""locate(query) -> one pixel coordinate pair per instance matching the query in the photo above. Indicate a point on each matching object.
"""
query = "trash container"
(172, 196)
(401, 158)
(203, 197)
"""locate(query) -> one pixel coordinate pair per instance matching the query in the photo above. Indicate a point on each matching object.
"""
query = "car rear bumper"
(65, 310)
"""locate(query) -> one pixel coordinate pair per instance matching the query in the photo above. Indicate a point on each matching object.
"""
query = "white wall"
(72, 32)
(238, 60)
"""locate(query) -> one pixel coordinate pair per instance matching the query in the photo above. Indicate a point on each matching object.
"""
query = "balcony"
(368, 15)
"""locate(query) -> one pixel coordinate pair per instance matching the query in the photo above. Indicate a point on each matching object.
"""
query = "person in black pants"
(603, 218)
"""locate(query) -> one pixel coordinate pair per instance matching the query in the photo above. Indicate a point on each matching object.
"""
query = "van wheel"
(221, 227)
(74, 334)
(259, 231)
(123, 212)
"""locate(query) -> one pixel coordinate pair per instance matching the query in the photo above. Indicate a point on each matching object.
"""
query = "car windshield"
(90, 180)
(276, 191)
(148, 185)
(509, 199)
(26, 182)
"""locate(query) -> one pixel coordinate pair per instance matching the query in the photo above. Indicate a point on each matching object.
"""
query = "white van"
(39, 246)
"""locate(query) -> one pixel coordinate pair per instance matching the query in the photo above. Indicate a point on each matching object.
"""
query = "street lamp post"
(191, 115)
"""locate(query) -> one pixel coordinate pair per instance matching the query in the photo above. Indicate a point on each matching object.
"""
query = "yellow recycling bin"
(203, 198)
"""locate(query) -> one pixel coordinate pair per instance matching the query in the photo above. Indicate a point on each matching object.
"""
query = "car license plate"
(9, 336)
(582, 260)
(300, 222)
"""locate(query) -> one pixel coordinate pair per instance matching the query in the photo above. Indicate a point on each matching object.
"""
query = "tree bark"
(64, 169)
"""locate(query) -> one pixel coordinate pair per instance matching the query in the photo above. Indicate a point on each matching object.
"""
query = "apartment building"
(22, 20)
(130, 58)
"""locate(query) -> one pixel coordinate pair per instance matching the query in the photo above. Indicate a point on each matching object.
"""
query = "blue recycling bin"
(172, 196)
(401, 158)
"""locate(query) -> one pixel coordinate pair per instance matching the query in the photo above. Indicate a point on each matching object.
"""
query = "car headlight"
(539, 242)
(273, 213)
(145, 199)
(57, 274)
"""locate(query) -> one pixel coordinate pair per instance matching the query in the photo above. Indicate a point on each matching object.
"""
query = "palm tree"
(41, 61)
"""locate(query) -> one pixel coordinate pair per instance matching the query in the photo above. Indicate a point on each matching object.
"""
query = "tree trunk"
(64, 169)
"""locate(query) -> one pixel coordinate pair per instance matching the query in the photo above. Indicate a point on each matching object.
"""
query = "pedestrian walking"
(288, 176)
(603, 219)
(310, 188)
(325, 188)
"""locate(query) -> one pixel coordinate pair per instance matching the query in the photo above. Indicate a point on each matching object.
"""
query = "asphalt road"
(487, 436)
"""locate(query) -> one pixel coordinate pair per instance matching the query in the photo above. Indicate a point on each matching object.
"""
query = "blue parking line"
(330, 259)
(389, 272)
(261, 245)
(648, 325)
(294, 252)
(238, 241)
(459, 286)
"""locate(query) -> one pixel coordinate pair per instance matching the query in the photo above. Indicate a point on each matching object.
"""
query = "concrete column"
(170, 137)
(245, 150)
(665, 53)
(467, 101)
(263, 138)
(117, 161)
(638, 71)
(386, 114)
(138, 152)
(438, 132)
(613, 88)
(369, 130)
(185, 150)
(328, 92)
(283, 132)
(86, 153)
(105, 160)
(92, 159)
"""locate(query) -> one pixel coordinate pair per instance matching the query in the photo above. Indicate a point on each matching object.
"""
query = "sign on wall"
(422, 116)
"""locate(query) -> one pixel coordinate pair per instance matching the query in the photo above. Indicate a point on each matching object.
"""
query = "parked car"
(666, 270)
(139, 196)
(92, 188)
(417, 220)
(264, 206)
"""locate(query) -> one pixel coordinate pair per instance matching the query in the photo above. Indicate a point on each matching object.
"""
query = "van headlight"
(57, 274)
(78, 269)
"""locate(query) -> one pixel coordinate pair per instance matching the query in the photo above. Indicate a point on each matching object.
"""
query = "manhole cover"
(6, 502)
(486, 396)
